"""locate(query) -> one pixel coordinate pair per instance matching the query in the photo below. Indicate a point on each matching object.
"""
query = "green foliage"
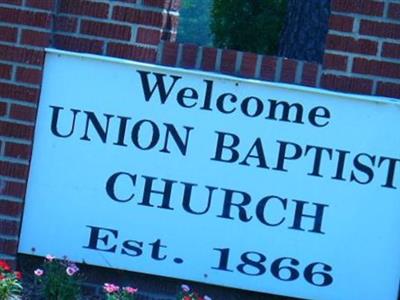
(10, 289)
(194, 22)
(10, 285)
(248, 25)
(58, 279)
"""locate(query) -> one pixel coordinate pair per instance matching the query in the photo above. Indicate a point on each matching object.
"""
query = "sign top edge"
(295, 87)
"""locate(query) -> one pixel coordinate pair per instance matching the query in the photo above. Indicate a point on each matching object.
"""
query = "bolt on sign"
(254, 185)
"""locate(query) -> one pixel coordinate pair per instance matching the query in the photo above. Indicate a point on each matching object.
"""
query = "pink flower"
(185, 288)
(70, 271)
(50, 257)
(74, 267)
(110, 288)
(38, 272)
(130, 290)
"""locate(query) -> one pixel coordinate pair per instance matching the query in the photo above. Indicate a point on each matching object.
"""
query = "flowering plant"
(186, 293)
(114, 292)
(58, 279)
(10, 285)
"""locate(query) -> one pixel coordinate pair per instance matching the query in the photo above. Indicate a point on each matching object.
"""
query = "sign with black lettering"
(262, 186)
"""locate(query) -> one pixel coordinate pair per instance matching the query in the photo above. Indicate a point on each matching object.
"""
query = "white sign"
(241, 183)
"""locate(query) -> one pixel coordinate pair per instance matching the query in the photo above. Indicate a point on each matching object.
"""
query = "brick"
(10, 228)
(41, 4)
(15, 2)
(288, 73)
(249, 64)
(5, 71)
(388, 89)
(156, 3)
(341, 23)
(349, 44)
(148, 36)
(137, 16)
(13, 189)
(3, 111)
(9, 208)
(23, 113)
(120, 32)
(169, 54)
(228, 61)
(380, 29)
(14, 130)
(8, 246)
(29, 75)
(25, 17)
(14, 170)
(189, 55)
(208, 60)
(346, 84)
(377, 68)
(364, 7)
(335, 62)
(84, 8)
(16, 92)
(169, 4)
(15, 150)
(268, 68)
(22, 55)
(35, 38)
(131, 52)
(391, 50)
(310, 74)
(78, 44)
(8, 34)
(394, 11)
(66, 24)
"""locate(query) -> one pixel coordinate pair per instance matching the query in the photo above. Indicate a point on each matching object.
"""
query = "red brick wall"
(242, 64)
(23, 33)
(128, 29)
(362, 56)
(363, 48)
